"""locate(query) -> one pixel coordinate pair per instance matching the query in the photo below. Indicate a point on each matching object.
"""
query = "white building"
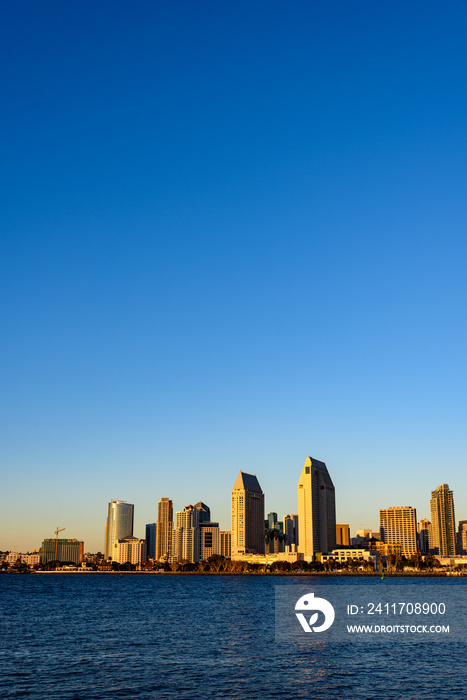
(129, 549)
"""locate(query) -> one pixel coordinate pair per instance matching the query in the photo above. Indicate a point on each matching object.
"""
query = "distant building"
(343, 535)
(291, 529)
(67, 550)
(120, 515)
(424, 536)
(29, 559)
(398, 525)
(462, 537)
(129, 549)
(272, 520)
(226, 543)
(316, 509)
(210, 540)
(442, 521)
(204, 512)
(185, 537)
(151, 540)
(164, 529)
(247, 515)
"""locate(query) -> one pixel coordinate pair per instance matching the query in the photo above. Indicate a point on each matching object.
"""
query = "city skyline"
(170, 515)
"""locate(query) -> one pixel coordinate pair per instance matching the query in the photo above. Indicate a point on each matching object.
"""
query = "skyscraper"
(185, 537)
(151, 540)
(398, 525)
(164, 529)
(462, 538)
(316, 509)
(247, 516)
(443, 525)
(203, 511)
(343, 535)
(119, 524)
(424, 536)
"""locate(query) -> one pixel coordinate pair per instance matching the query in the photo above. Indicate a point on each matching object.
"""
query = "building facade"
(226, 543)
(129, 549)
(210, 540)
(443, 526)
(120, 516)
(462, 537)
(164, 528)
(186, 536)
(424, 536)
(398, 525)
(343, 535)
(68, 550)
(316, 509)
(247, 515)
(151, 529)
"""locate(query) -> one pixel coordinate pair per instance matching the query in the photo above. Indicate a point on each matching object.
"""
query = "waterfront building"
(442, 521)
(164, 529)
(151, 540)
(316, 509)
(398, 525)
(186, 535)
(67, 550)
(462, 537)
(424, 536)
(120, 516)
(343, 535)
(272, 520)
(247, 515)
(226, 543)
(129, 549)
(210, 540)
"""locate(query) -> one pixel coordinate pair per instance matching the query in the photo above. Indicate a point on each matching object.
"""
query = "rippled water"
(86, 637)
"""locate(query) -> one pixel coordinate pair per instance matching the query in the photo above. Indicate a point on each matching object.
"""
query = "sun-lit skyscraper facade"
(398, 526)
(316, 509)
(247, 516)
(164, 527)
(443, 526)
(119, 524)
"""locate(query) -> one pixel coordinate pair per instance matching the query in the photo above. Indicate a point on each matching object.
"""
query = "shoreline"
(412, 574)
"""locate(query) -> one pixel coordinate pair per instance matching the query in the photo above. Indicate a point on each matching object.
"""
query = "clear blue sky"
(233, 234)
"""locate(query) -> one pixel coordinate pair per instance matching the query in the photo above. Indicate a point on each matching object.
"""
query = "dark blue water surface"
(97, 636)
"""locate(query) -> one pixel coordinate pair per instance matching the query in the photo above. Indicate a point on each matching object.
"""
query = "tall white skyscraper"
(316, 509)
(119, 524)
(247, 516)
(164, 529)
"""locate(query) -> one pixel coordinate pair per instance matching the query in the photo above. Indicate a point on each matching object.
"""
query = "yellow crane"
(56, 539)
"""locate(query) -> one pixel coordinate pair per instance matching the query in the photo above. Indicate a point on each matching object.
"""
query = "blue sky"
(232, 235)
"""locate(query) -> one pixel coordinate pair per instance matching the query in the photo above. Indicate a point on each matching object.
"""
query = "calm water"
(134, 636)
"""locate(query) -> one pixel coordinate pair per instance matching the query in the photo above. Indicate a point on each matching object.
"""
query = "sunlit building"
(129, 549)
(226, 543)
(164, 529)
(210, 540)
(186, 535)
(443, 525)
(119, 524)
(398, 525)
(316, 509)
(247, 516)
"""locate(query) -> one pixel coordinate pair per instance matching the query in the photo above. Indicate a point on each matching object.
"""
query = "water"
(92, 637)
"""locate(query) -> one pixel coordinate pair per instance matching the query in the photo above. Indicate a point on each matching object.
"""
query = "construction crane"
(56, 539)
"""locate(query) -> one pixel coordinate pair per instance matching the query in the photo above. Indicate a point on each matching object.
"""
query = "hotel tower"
(247, 516)
(316, 509)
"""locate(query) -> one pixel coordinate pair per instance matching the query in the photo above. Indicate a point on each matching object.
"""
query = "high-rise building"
(210, 540)
(151, 540)
(204, 512)
(129, 549)
(185, 536)
(291, 529)
(442, 521)
(272, 520)
(424, 536)
(398, 525)
(316, 509)
(343, 535)
(68, 550)
(119, 524)
(164, 529)
(462, 538)
(226, 543)
(247, 516)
